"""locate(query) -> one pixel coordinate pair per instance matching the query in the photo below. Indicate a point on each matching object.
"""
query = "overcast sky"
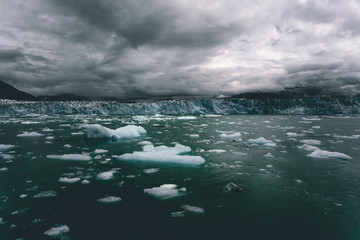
(159, 48)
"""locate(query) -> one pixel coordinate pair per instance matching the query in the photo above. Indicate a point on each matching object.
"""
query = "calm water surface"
(286, 194)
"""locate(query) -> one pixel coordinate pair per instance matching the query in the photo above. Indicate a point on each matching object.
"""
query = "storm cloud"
(133, 49)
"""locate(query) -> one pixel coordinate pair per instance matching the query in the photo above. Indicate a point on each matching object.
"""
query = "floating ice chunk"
(269, 166)
(311, 142)
(165, 191)
(187, 118)
(292, 134)
(307, 147)
(298, 181)
(268, 155)
(4, 147)
(30, 134)
(193, 209)
(216, 150)
(45, 194)
(68, 180)
(211, 116)
(311, 119)
(194, 135)
(318, 153)
(29, 122)
(164, 154)
(262, 141)
(75, 157)
(151, 170)
(3, 169)
(23, 196)
(231, 135)
(67, 146)
(347, 137)
(99, 151)
(316, 127)
(85, 181)
(145, 143)
(47, 130)
(49, 138)
(106, 175)
(129, 131)
(21, 211)
(109, 199)
(178, 214)
(57, 231)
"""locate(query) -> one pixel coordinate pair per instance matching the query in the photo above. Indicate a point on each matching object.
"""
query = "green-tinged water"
(285, 193)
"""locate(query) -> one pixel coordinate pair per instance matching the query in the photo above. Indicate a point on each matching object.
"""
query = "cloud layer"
(135, 49)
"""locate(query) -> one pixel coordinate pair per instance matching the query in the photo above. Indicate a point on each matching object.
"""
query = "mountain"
(9, 92)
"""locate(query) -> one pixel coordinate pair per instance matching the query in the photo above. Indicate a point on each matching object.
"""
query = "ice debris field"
(173, 170)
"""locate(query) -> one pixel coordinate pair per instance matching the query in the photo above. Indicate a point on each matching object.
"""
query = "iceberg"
(75, 157)
(57, 231)
(165, 191)
(109, 199)
(30, 134)
(99, 131)
(164, 154)
(318, 153)
(262, 141)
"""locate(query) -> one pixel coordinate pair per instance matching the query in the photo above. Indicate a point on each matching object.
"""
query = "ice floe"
(262, 141)
(193, 209)
(186, 118)
(151, 170)
(165, 191)
(4, 147)
(75, 157)
(216, 151)
(109, 199)
(99, 151)
(164, 154)
(129, 131)
(318, 153)
(231, 135)
(30, 134)
(311, 142)
(45, 194)
(106, 175)
(68, 180)
(57, 231)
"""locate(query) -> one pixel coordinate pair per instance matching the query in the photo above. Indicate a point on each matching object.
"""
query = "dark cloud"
(146, 49)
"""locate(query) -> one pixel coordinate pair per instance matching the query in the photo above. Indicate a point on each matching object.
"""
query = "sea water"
(299, 175)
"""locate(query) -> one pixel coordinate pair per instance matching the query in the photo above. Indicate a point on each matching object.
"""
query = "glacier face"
(302, 106)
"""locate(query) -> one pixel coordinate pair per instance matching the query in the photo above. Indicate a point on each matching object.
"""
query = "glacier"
(288, 106)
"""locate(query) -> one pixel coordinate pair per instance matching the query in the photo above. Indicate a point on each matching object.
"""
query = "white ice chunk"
(307, 147)
(3, 169)
(67, 146)
(57, 231)
(164, 154)
(30, 134)
(194, 135)
(216, 150)
(109, 199)
(99, 151)
(311, 142)
(262, 141)
(292, 134)
(165, 191)
(151, 170)
(85, 181)
(187, 118)
(69, 180)
(4, 147)
(231, 135)
(45, 194)
(75, 157)
(145, 143)
(318, 153)
(129, 131)
(106, 175)
(193, 209)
